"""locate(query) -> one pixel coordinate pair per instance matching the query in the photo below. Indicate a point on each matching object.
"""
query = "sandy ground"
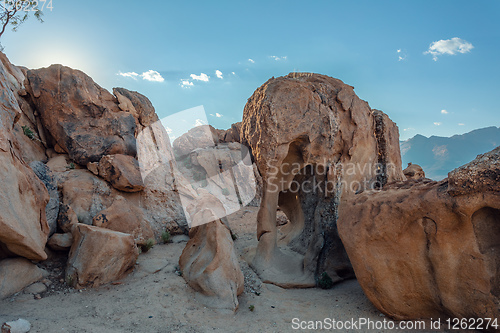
(154, 298)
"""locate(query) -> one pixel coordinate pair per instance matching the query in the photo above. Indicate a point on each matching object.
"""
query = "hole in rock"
(486, 223)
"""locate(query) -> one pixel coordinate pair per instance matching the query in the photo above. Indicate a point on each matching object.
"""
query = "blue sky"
(175, 47)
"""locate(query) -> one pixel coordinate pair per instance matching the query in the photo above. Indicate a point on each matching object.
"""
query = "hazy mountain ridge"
(439, 155)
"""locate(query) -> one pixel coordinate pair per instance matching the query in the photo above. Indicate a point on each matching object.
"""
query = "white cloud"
(449, 46)
(202, 77)
(444, 112)
(219, 74)
(437, 124)
(199, 122)
(278, 58)
(133, 75)
(401, 54)
(218, 115)
(251, 60)
(461, 124)
(409, 129)
(233, 73)
(186, 83)
(152, 76)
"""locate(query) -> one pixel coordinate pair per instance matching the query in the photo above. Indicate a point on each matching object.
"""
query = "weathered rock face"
(159, 198)
(314, 141)
(66, 218)
(52, 209)
(232, 134)
(423, 249)
(17, 273)
(99, 256)
(414, 171)
(60, 122)
(197, 137)
(86, 194)
(83, 118)
(478, 176)
(122, 172)
(126, 218)
(23, 196)
(139, 105)
(210, 266)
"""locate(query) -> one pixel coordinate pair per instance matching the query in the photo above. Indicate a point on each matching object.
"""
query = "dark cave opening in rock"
(486, 222)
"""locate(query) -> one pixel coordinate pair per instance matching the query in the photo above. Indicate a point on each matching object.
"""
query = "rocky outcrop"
(126, 218)
(314, 141)
(137, 104)
(210, 266)
(160, 200)
(479, 176)
(93, 201)
(198, 137)
(61, 122)
(99, 256)
(232, 134)
(16, 274)
(425, 249)
(122, 172)
(86, 194)
(414, 171)
(205, 165)
(52, 209)
(83, 118)
(23, 197)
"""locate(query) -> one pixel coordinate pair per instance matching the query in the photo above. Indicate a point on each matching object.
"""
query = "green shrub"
(28, 132)
(69, 280)
(225, 191)
(251, 308)
(165, 236)
(71, 166)
(149, 244)
(325, 281)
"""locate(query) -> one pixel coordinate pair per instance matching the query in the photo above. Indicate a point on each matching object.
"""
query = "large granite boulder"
(123, 217)
(210, 266)
(426, 249)
(23, 196)
(414, 171)
(16, 274)
(99, 256)
(83, 118)
(314, 141)
(122, 172)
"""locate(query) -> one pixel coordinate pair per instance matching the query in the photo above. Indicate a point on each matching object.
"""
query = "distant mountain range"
(439, 155)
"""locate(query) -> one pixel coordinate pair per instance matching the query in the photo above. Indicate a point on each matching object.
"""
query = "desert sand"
(155, 298)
